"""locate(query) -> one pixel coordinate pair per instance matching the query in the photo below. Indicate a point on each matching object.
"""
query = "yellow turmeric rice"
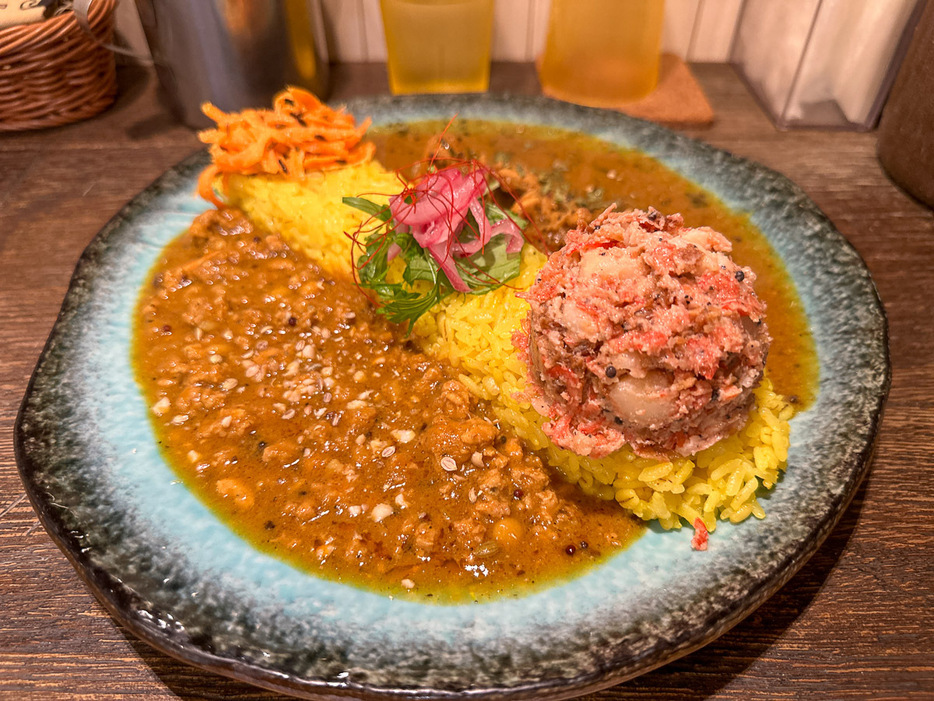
(475, 333)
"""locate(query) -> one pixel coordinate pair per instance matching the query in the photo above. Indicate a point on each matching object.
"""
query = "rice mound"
(309, 213)
(474, 333)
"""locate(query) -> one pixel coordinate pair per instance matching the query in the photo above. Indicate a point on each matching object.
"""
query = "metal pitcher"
(234, 53)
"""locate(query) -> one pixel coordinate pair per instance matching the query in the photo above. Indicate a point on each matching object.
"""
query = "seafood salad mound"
(645, 332)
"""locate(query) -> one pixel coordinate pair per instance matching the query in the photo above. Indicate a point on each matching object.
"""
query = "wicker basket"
(54, 73)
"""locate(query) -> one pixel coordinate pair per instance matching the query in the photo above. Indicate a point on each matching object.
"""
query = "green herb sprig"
(485, 270)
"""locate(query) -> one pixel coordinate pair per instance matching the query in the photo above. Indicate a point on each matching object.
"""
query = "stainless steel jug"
(234, 53)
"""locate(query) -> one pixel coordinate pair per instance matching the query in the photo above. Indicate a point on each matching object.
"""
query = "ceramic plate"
(173, 574)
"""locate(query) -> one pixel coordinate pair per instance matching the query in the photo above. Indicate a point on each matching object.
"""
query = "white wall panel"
(679, 26)
(511, 30)
(713, 30)
(344, 22)
(374, 40)
(538, 27)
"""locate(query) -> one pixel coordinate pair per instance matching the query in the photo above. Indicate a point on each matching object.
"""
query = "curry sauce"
(322, 435)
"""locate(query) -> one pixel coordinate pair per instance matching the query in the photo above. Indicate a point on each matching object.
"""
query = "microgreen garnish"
(449, 235)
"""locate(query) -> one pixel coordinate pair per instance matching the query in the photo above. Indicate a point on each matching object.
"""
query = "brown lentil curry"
(320, 434)
(311, 424)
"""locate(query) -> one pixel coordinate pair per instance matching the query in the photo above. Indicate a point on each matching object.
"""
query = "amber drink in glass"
(438, 45)
(602, 52)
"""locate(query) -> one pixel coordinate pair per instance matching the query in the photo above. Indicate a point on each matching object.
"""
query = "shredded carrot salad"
(298, 135)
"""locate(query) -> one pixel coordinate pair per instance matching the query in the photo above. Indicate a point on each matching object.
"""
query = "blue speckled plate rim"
(613, 666)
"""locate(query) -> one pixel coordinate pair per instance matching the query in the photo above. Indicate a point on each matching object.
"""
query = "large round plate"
(172, 573)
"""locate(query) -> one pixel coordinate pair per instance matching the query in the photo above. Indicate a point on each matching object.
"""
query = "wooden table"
(857, 621)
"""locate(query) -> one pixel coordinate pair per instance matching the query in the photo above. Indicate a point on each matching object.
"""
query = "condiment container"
(234, 53)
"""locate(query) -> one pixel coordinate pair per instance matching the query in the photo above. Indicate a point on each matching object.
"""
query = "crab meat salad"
(645, 332)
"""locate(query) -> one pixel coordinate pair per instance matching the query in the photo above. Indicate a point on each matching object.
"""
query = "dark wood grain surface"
(856, 622)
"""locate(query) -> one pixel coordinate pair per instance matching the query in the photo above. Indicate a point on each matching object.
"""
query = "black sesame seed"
(583, 545)
(570, 550)
(610, 371)
(739, 275)
(517, 493)
(292, 321)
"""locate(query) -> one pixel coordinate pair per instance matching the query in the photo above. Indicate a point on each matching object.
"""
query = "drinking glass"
(438, 45)
(602, 53)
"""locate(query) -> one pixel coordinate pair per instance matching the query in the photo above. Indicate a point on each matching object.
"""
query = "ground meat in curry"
(321, 434)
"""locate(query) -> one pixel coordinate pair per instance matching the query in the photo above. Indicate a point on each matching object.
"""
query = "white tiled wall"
(698, 30)
(680, 18)
(713, 30)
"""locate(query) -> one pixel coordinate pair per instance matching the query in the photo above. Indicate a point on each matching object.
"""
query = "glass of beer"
(438, 45)
(602, 53)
